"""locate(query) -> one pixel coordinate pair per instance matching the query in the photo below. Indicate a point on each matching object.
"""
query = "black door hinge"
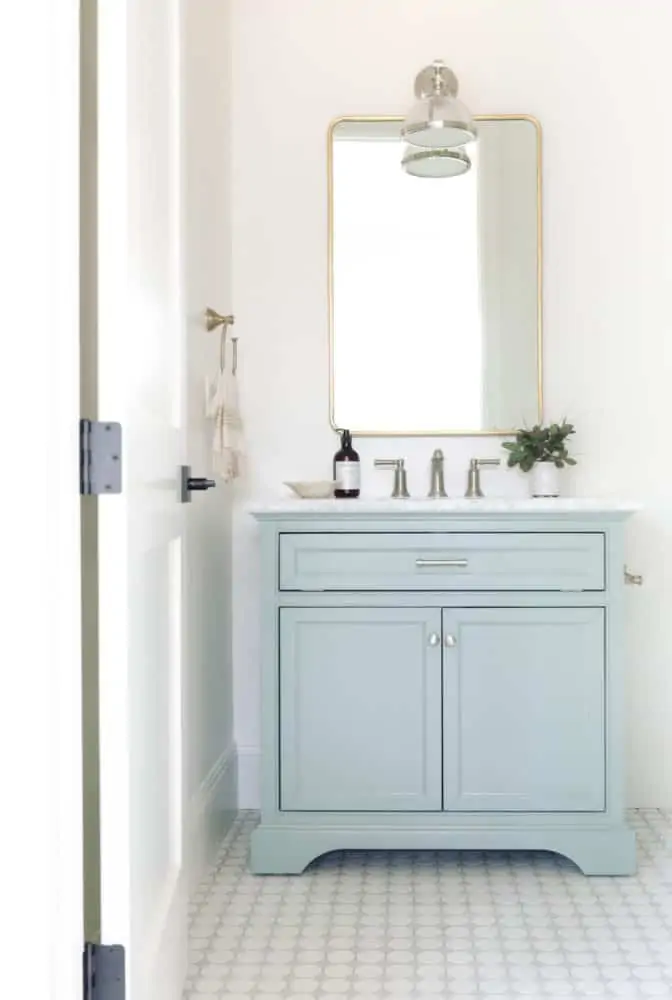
(99, 457)
(104, 972)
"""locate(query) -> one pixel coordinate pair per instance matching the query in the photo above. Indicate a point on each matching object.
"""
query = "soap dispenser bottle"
(346, 469)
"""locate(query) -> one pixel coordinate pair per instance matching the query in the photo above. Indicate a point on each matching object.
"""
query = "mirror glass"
(435, 284)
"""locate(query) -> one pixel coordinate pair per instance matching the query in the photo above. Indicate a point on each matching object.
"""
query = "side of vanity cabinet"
(442, 676)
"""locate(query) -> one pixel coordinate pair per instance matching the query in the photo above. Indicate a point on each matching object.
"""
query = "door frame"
(40, 711)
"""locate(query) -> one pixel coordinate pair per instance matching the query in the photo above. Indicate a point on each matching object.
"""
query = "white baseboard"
(249, 767)
(211, 812)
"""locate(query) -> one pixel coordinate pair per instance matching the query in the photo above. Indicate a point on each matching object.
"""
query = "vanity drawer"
(506, 560)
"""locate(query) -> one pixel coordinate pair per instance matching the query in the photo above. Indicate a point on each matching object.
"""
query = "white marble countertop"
(459, 505)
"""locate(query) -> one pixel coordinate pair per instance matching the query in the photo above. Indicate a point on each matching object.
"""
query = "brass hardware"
(213, 319)
(330, 277)
(400, 486)
(450, 641)
(446, 563)
(474, 475)
(633, 579)
(434, 639)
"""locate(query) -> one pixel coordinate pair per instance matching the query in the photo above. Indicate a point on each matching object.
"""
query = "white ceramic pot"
(545, 480)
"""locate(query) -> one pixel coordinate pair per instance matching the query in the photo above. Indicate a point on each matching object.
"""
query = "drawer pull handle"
(434, 639)
(445, 563)
(450, 641)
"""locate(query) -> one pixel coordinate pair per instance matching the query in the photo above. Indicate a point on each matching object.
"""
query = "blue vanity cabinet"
(523, 703)
(360, 709)
(442, 675)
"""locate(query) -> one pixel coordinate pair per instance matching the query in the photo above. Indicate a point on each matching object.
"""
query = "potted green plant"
(542, 451)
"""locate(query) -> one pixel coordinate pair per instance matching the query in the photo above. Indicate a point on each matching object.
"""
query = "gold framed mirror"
(435, 284)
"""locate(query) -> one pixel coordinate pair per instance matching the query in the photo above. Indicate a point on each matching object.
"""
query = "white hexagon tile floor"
(402, 925)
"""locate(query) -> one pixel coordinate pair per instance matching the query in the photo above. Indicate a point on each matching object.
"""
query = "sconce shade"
(438, 119)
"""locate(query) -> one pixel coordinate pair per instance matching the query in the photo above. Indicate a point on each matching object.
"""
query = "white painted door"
(141, 374)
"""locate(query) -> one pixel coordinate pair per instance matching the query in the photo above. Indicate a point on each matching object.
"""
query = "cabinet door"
(360, 709)
(524, 695)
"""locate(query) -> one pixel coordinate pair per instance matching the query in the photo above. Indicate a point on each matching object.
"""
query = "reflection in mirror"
(435, 284)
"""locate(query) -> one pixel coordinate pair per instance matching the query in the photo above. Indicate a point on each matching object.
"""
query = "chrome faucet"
(436, 487)
(474, 475)
(399, 487)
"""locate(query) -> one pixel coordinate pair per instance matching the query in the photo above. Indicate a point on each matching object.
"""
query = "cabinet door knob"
(450, 641)
(434, 639)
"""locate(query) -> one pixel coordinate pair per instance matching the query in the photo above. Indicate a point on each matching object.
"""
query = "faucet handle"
(400, 487)
(474, 476)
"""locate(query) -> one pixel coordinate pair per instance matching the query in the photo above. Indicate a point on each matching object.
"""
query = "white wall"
(40, 746)
(210, 767)
(598, 76)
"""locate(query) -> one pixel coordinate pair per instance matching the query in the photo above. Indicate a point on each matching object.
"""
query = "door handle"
(434, 639)
(449, 641)
(189, 483)
(196, 483)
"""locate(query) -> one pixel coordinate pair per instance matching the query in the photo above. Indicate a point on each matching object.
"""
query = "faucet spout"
(437, 488)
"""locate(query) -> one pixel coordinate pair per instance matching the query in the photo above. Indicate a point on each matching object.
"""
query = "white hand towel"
(221, 405)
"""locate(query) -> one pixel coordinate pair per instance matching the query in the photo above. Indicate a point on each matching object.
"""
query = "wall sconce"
(437, 126)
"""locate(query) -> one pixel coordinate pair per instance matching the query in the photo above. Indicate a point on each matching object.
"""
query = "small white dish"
(317, 490)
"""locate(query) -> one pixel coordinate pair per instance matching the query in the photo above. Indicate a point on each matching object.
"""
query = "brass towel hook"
(213, 319)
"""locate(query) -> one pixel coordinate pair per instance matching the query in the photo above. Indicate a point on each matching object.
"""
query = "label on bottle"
(347, 475)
